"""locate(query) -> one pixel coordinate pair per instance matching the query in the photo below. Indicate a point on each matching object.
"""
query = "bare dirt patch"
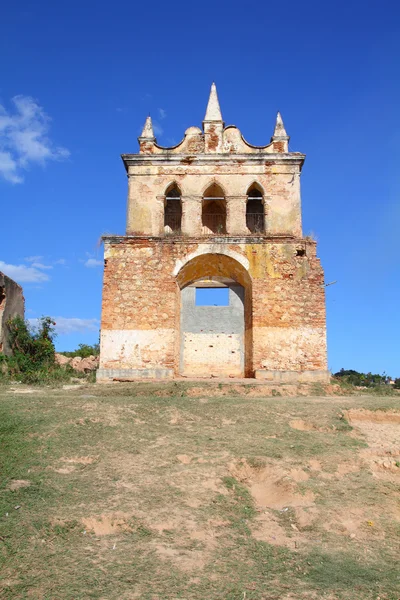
(356, 523)
(382, 432)
(267, 529)
(270, 486)
(302, 425)
(347, 467)
(373, 416)
(80, 460)
(186, 560)
(107, 524)
(305, 516)
(315, 464)
(184, 459)
(17, 484)
(63, 470)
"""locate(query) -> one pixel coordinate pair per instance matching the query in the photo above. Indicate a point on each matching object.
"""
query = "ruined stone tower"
(213, 212)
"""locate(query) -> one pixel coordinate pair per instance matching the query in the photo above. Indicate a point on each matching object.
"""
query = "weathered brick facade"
(213, 211)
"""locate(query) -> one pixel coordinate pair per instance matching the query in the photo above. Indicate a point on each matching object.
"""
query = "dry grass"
(198, 491)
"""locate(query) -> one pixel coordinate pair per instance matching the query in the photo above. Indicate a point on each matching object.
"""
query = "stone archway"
(215, 340)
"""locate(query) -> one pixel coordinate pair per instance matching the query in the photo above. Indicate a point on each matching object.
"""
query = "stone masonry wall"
(285, 305)
(280, 182)
(12, 303)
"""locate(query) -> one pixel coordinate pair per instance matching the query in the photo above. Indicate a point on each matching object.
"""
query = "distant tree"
(83, 351)
(362, 379)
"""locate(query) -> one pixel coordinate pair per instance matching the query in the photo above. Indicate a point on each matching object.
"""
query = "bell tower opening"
(213, 217)
(255, 209)
(172, 209)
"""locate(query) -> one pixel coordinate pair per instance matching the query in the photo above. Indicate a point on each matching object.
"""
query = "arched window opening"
(255, 210)
(172, 210)
(214, 211)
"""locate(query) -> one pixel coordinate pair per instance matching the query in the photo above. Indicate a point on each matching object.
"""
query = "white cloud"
(158, 130)
(39, 265)
(60, 261)
(93, 262)
(162, 113)
(9, 168)
(23, 139)
(66, 325)
(33, 258)
(23, 273)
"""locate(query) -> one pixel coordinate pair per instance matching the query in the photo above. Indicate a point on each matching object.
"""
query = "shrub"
(362, 379)
(33, 353)
(84, 350)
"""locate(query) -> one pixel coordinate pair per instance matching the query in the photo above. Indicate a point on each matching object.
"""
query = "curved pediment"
(233, 142)
(192, 143)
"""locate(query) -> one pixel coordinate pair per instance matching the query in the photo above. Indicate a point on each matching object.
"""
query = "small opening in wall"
(172, 210)
(2, 295)
(212, 296)
(300, 252)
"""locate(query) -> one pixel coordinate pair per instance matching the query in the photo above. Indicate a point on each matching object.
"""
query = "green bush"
(33, 353)
(84, 350)
(362, 379)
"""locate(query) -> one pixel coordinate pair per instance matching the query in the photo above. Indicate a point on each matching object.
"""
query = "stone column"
(191, 215)
(129, 207)
(158, 216)
(267, 214)
(236, 215)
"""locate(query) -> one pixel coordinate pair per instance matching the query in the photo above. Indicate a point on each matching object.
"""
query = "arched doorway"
(215, 340)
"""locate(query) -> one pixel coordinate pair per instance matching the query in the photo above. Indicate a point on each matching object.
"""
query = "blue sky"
(84, 75)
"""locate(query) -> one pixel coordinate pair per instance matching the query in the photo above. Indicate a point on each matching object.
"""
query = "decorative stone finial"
(147, 133)
(279, 131)
(213, 112)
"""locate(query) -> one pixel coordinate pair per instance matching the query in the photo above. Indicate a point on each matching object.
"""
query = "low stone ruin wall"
(12, 303)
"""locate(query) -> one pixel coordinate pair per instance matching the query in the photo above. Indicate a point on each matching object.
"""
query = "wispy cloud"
(23, 273)
(23, 139)
(66, 325)
(33, 258)
(158, 130)
(39, 265)
(60, 261)
(162, 113)
(91, 263)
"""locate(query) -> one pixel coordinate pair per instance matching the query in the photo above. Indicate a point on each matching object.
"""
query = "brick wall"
(284, 300)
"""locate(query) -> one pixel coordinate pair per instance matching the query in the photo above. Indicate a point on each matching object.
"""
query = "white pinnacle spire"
(148, 133)
(279, 131)
(213, 112)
